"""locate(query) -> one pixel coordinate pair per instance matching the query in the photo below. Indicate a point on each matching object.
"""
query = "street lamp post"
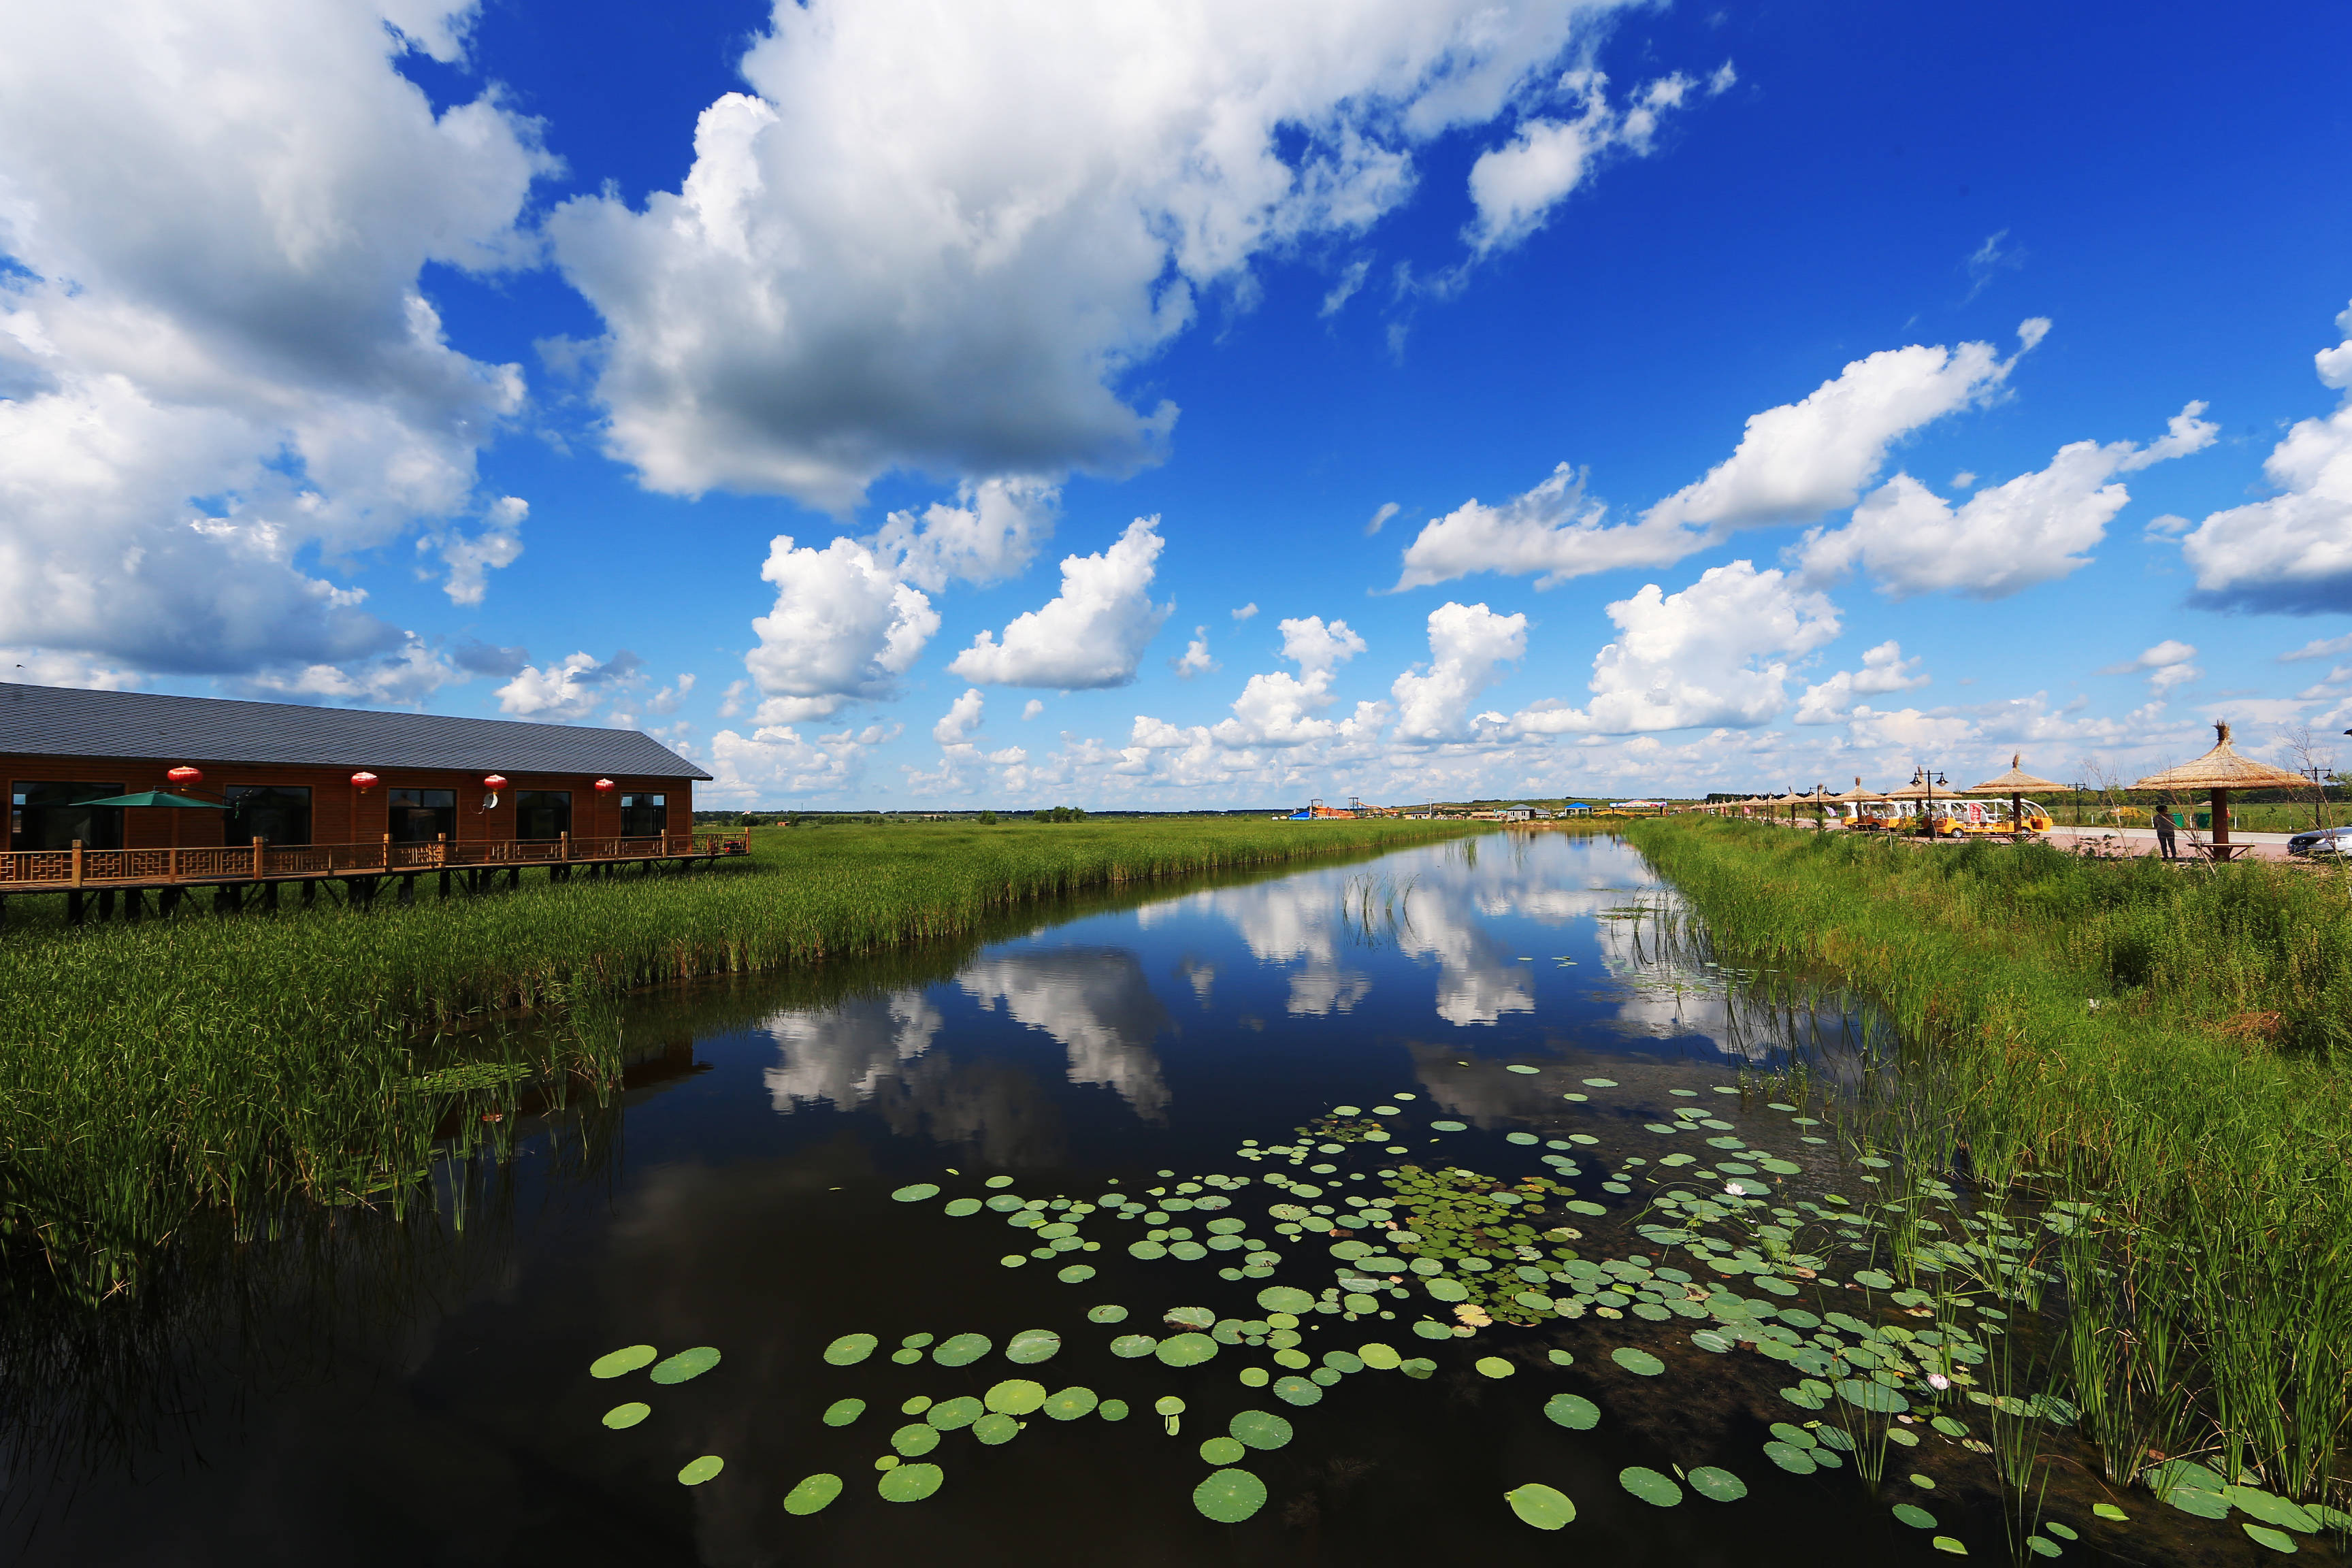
(1931, 779)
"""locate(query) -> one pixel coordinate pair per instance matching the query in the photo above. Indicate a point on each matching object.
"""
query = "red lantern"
(603, 786)
(184, 775)
(495, 781)
(364, 781)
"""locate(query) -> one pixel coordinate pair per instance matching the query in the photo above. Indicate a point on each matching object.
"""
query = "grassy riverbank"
(155, 1071)
(2165, 1044)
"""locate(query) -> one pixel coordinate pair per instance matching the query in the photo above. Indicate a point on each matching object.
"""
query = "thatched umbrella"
(2220, 771)
(1922, 787)
(1857, 795)
(2014, 784)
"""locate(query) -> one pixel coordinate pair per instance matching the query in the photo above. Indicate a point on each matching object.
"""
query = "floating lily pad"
(1133, 1345)
(1450, 1126)
(2271, 1509)
(950, 1414)
(1650, 1486)
(1285, 1298)
(959, 1208)
(1546, 1508)
(915, 1438)
(625, 1359)
(1521, 1138)
(998, 1181)
(1583, 1207)
(1717, 1485)
(1494, 1366)
(1446, 1289)
(1105, 1314)
(1260, 1429)
(1517, 1067)
(1075, 1274)
(1573, 1411)
(1186, 1349)
(1297, 1390)
(1873, 1279)
(2189, 1500)
(1950, 1543)
(842, 1412)
(626, 1415)
(812, 1493)
(685, 1365)
(1031, 1346)
(700, 1470)
(1599, 1082)
(2109, 1510)
(1380, 1357)
(909, 1483)
(1642, 1363)
(1912, 1514)
(1876, 1398)
(995, 1427)
(1708, 1339)
(1229, 1496)
(1223, 1451)
(1112, 1410)
(1788, 1457)
(2263, 1535)
(1015, 1396)
(917, 1193)
(962, 1350)
(850, 1349)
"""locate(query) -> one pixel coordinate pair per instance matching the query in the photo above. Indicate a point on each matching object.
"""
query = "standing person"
(2165, 844)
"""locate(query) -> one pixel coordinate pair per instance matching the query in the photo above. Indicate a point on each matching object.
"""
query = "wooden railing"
(25, 870)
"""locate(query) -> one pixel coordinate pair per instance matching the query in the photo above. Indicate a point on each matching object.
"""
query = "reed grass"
(2158, 1044)
(155, 1073)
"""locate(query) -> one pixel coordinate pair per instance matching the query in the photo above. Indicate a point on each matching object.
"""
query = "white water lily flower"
(1938, 1382)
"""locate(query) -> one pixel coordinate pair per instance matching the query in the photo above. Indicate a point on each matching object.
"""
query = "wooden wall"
(339, 814)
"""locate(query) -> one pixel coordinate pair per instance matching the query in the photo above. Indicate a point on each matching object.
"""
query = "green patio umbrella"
(156, 797)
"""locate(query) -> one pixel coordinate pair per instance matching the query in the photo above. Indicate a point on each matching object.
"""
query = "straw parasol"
(2014, 784)
(1857, 795)
(2220, 771)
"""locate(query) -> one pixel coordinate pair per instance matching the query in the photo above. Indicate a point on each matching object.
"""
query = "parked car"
(2322, 841)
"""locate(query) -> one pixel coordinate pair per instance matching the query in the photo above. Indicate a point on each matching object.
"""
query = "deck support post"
(133, 904)
(444, 884)
(224, 899)
(73, 900)
(309, 891)
(514, 875)
(408, 889)
(106, 904)
(269, 897)
(167, 902)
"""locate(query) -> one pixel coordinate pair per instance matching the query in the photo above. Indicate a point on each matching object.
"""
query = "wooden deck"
(261, 868)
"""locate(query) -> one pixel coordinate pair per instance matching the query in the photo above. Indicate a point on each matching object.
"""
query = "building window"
(422, 816)
(50, 815)
(543, 813)
(644, 815)
(279, 813)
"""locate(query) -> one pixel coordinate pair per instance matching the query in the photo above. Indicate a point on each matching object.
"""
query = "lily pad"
(1599, 1082)
(626, 1415)
(1229, 1496)
(959, 1208)
(1951, 1543)
(1717, 1485)
(850, 1349)
(998, 1181)
(1546, 1508)
(1112, 1410)
(951, 1415)
(1260, 1429)
(2110, 1511)
(909, 1483)
(685, 1365)
(2270, 1509)
(1444, 1289)
(1186, 1349)
(1450, 1126)
(916, 1437)
(625, 1360)
(962, 1350)
(917, 1192)
(1912, 1514)
(1070, 1404)
(1788, 1457)
(1515, 1066)
(1111, 1314)
(1873, 1279)
(1075, 1274)
(1380, 1357)
(1573, 1411)
(1285, 1298)
(1297, 1390)
(1876, 1398)
(1650, 1486)
(1031, 1346)
(1223, 1451)
(1132, 1346)
(1015, 1396)
(995, 1427)
(1642, 1363)
(1494, 1366)
(2263, 1535)
(699, 1471)
(814, 1493)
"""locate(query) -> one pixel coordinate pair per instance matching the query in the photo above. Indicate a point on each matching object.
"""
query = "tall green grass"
(207, 1067)
(2159, 1044)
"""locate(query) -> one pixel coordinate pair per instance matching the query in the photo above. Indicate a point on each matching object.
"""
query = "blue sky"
(898, 405)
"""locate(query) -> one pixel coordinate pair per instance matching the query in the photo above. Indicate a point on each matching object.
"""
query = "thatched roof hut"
(2017, 781)
(2219, 772)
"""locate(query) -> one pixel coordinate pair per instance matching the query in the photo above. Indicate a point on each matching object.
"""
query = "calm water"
(404, 1395)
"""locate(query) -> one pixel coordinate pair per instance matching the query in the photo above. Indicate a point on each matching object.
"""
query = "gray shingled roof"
(57, 720)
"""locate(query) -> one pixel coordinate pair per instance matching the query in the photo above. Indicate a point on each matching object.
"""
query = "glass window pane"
(644, 815)
(543, 813)
(47, 814)
(422, 816)
(279, 813)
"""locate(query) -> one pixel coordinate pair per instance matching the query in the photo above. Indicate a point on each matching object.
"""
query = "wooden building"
(290, 791)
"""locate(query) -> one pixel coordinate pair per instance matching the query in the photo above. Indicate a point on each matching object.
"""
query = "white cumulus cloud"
(939, 237)
(844, 628)
(1092, 633)
(1279, 709)
(1883, 669)
(1468, 646)
(1513, 188)
(2293, 552)
(215, 352)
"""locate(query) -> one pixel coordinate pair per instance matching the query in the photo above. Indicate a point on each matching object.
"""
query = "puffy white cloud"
(1245, 612)
(217, 352)
(46, 667)
(776, 760)
(1031, 709)
(2003, 538)
(404, 678)
(568, 688)
(1278, 708)
(1196, 660)
(2166, 665)
(2293, 552)
(1716, 652)
(1883, 669)
(1317, 648)
(1513, 188)
(991, 536)
(1092, 633)
(938, 238)
(844, 629)
(1468, 643)
(472, 557)
(955, 728)
(1795, 463)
